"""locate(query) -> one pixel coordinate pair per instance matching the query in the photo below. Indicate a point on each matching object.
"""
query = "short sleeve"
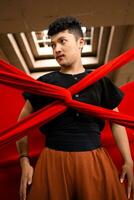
(30, 96)
(111, 95)
(37, 101)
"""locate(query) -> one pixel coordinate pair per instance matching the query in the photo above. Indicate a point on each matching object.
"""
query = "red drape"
(9, 75)
(11, 104)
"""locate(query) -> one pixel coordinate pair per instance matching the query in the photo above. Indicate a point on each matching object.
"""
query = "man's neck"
(72, 70)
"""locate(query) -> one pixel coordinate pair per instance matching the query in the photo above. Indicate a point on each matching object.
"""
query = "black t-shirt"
(72, 130)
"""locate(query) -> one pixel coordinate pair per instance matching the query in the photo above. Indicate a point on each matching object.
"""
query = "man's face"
(66, 49)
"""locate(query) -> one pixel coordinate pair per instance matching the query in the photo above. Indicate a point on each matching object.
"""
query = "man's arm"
(22, 144)
(22, 147)
(121, 139)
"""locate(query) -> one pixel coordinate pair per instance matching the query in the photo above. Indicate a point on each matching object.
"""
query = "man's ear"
(81, 42)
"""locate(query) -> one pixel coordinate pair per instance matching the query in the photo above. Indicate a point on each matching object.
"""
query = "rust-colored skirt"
(88, 175)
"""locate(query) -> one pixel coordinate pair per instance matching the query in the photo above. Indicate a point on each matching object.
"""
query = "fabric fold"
(13, 77)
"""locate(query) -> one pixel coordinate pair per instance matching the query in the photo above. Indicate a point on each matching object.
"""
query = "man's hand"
(127, 171)
(26, 178)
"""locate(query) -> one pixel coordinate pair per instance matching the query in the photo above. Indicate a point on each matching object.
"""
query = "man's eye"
(53, 46)
(63, 41)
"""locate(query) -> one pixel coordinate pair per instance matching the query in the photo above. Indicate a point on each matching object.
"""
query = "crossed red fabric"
(13, 77)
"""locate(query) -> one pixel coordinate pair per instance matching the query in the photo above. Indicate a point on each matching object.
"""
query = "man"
(74, 165)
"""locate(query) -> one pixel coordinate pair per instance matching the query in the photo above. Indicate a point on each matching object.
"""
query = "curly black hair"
(65, 23)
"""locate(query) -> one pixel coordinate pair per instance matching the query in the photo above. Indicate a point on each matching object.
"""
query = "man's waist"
(73, 142)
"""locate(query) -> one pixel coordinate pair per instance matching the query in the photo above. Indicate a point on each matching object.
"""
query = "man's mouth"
(59, 57)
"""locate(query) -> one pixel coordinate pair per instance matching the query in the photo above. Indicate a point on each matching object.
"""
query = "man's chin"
(63, 64)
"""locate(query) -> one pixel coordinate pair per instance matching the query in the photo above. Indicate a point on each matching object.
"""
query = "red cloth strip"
(15, 78)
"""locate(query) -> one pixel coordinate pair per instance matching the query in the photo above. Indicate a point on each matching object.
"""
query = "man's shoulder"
(88, 71)
(48, 76)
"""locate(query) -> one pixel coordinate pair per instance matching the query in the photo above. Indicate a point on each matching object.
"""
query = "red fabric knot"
(16, 78)
(67, 97)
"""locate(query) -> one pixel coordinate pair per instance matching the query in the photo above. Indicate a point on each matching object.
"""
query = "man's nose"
(57, 48)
